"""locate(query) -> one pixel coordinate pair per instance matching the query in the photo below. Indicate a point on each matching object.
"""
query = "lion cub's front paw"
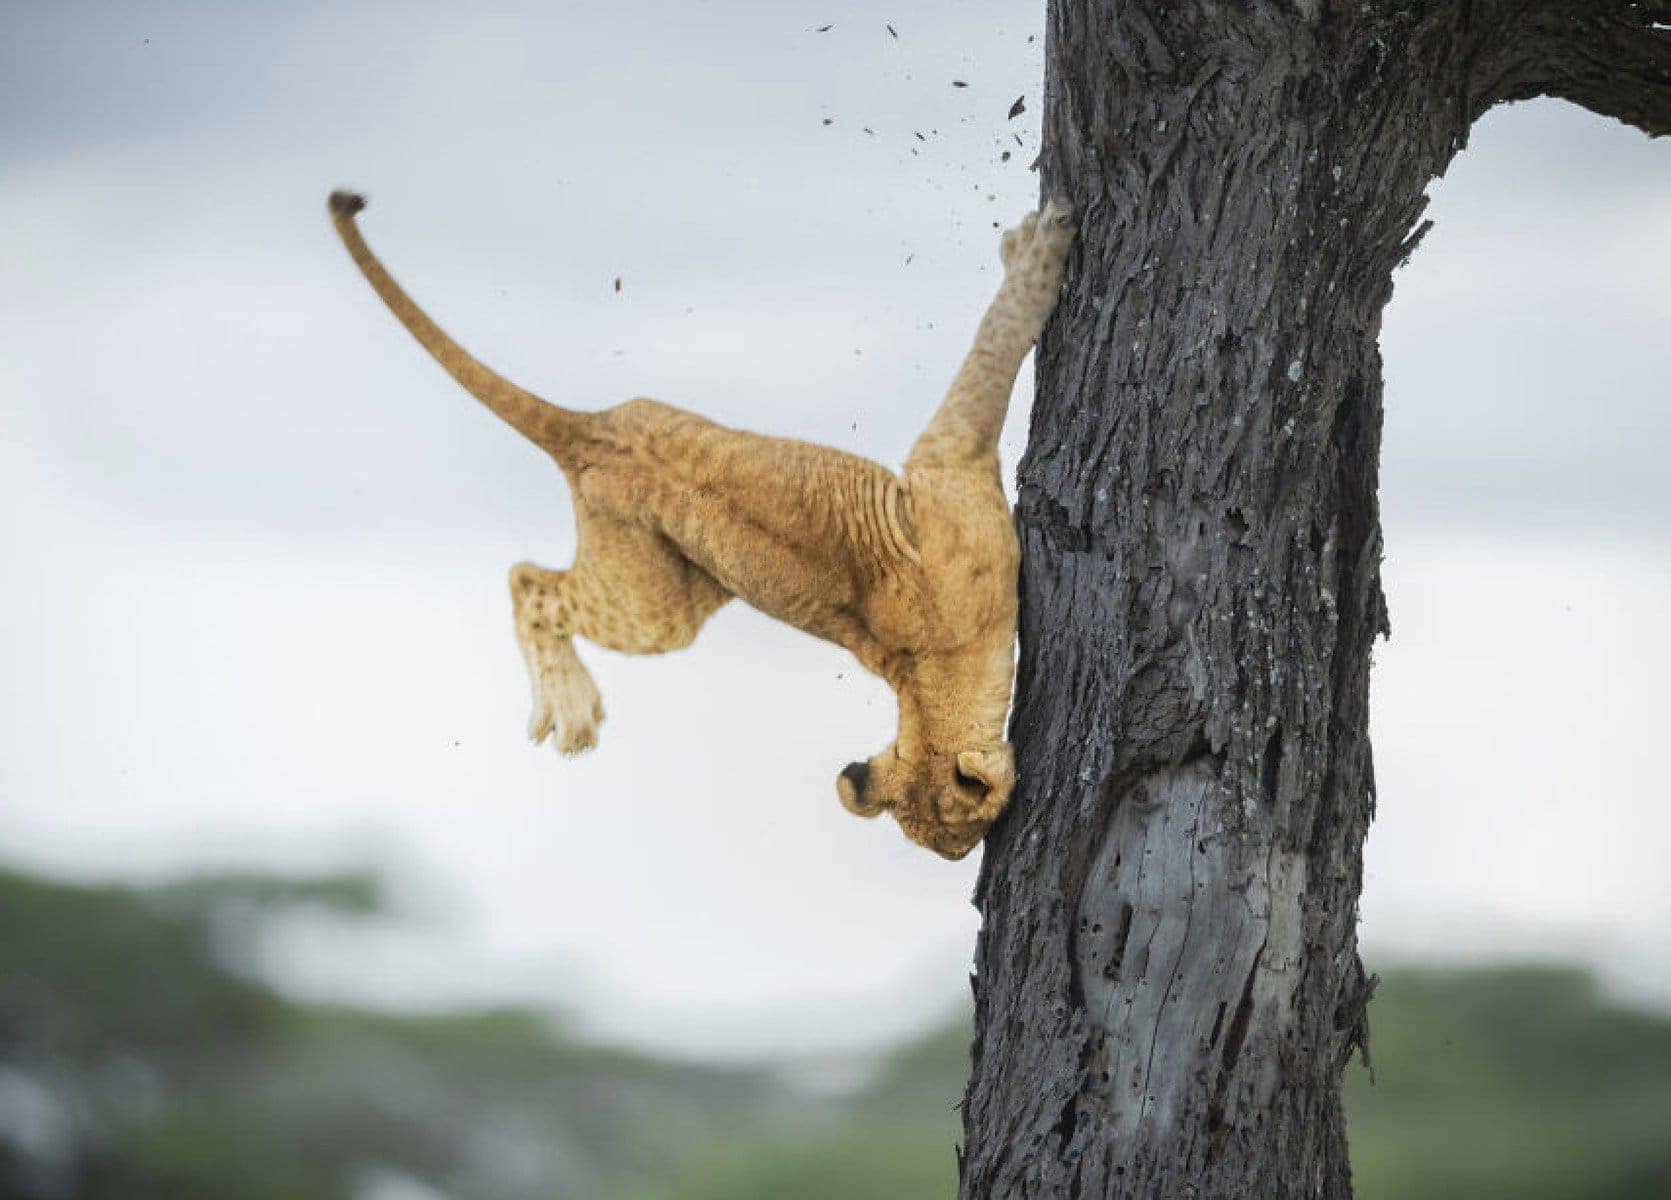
(1034, 250)
(1015, 240)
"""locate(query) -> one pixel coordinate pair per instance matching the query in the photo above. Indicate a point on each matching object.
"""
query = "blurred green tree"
(136, 1063)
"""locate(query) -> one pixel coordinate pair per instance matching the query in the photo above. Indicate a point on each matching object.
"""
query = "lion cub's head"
(944, 801)
(949, 772)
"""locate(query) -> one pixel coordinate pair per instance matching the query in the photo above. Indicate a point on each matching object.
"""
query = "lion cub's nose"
(857, 774)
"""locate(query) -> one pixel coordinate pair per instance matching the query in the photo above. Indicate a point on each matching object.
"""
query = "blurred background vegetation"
(137, 1061)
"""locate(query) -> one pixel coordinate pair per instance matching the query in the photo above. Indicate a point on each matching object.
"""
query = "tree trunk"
(1168, 985)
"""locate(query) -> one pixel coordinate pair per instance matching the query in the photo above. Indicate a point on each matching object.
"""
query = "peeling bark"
(1168, 986)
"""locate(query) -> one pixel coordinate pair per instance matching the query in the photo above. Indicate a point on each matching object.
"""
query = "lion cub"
(914, 573)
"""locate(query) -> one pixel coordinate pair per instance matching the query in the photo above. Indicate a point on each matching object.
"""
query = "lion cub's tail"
(560, 431)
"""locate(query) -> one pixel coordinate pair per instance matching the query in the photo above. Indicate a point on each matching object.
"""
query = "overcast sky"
(257, 541)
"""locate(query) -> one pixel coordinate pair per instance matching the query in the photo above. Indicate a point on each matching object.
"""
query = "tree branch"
(1612, 57)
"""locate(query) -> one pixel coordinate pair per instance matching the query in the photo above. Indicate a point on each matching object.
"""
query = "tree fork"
(1168, 986)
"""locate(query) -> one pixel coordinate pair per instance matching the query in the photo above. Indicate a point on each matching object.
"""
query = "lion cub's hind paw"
(541, 722)
(577, 739)
(568, 709)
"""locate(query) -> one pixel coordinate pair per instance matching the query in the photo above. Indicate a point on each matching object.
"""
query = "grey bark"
(1168, 986)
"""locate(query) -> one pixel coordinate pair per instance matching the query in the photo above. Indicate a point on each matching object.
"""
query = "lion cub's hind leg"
(566, 700)
(629, 590)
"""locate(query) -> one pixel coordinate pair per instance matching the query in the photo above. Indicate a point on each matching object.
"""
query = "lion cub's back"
(765, 515)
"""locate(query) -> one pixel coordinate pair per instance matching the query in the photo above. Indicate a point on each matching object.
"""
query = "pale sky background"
(255, 541)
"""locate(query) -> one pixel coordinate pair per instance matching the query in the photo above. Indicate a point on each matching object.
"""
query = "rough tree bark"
(1168, 985)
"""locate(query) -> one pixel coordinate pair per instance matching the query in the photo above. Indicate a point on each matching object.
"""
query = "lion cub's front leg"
(965, 428)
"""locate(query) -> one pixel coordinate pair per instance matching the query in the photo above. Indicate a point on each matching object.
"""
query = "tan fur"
(914, 573)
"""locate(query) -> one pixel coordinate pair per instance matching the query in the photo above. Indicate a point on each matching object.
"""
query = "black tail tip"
(346, 204)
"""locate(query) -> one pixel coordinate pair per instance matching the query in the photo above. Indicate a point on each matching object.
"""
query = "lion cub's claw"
(1057, 227)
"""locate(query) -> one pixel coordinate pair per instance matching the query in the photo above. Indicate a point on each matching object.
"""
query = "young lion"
(915, 574)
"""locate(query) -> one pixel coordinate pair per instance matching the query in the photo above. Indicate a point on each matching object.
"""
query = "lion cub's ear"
(853, 786)
(993, 769)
